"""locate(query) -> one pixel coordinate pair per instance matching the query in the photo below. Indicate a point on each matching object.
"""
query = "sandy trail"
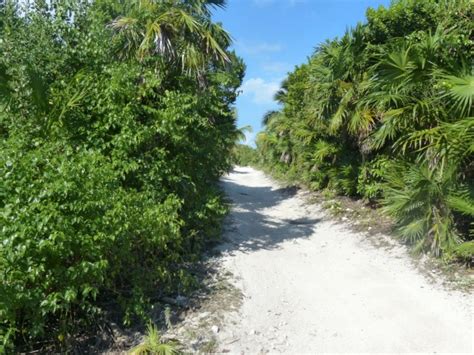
(312, 286)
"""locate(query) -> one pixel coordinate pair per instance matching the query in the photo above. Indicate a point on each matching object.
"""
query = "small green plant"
(153, 344)
(328, 194)
(334, 207)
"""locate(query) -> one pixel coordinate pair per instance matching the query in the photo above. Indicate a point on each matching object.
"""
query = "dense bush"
(116, 120)
(385, 113)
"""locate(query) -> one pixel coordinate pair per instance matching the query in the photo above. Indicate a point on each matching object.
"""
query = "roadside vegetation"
(385, 114)
(116, 121)
(244, 155)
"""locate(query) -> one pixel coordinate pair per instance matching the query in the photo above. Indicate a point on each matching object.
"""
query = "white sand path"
(312, 286)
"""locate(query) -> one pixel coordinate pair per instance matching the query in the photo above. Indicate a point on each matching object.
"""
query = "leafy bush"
(109, 157)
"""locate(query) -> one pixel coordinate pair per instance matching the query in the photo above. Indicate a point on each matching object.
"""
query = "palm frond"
(397, 67)
(460, 89)
(152, 344)
(463, 204)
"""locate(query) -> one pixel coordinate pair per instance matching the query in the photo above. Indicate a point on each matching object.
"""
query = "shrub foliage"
(116, 120)
(385, 113)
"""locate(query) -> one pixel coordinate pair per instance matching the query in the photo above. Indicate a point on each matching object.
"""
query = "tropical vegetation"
(116, 120)
(244, 155)
(385, 113)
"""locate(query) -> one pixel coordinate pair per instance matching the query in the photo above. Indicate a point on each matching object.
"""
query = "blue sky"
(273, 36)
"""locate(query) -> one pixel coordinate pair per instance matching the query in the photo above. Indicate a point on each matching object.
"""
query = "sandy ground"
(311, 285)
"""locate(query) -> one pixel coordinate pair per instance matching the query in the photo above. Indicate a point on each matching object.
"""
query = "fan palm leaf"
(460, 90)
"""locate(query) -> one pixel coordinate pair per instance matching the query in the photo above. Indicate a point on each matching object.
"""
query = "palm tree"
(268, 116)
(240, 133)
(280, 95)
(180, 32)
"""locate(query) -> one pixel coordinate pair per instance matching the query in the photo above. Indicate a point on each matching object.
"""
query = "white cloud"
(261, 91)
(258, 48)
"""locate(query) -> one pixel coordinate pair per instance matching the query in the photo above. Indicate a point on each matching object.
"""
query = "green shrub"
(109, 163)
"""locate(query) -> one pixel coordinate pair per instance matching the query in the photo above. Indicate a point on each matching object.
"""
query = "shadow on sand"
(249, 228)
